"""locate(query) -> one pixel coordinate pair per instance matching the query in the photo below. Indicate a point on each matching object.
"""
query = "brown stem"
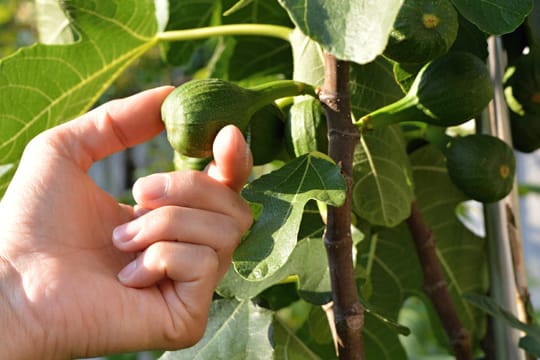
(520, 273)
(342, 139)
(435, 285)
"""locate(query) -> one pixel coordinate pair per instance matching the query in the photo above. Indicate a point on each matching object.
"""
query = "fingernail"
(127, 271)
(242, 147)
(152, 187)
(125, 232)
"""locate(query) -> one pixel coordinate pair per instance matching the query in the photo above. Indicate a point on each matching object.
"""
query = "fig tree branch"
(343, 137)
(435, 285)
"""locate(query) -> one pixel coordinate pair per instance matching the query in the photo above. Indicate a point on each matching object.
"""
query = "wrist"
(21, 338)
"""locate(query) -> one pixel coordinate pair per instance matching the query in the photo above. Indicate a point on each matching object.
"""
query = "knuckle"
(155, 255)
(163, 218)
(196, 333)
(190, 177)
(209, 261)
(156, 225)
(45, 140)
(233, 232)
(246, 219)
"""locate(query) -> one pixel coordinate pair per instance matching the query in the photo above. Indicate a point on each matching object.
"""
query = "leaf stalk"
(276, 31)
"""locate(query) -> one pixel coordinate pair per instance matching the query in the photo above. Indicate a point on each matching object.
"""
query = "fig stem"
(271, 91)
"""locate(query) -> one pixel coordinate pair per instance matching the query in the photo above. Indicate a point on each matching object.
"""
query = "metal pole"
(501, 226)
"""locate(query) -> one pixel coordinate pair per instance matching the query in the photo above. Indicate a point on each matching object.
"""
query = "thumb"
(232, 158)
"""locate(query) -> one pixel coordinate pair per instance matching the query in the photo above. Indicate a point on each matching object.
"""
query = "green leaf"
(373, 86)
(289, 346)
(256, 12)
(460, 252)
(7, 11)
(259, 56)
(383, 187)
(256, 56)
(382, 190)
(307, 265)
(495, 17)
(307, 262)
(279, 296)
(244, 56)
(530, 342)
(235, 330)
(470, 39)
(390, 257)
(189, 14)
(283, 194)
(216, 61)
(315, 334)
(381, 340)
(44, 85)
(308, 58)
(354, 30)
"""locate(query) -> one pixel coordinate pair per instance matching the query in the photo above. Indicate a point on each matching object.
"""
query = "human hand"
(68, 287)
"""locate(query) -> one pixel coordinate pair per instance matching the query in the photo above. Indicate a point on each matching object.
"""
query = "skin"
(82, 275)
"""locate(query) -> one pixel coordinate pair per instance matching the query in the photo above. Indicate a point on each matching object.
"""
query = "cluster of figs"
(443, 86)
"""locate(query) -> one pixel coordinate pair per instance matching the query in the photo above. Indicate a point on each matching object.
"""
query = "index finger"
(113, 127)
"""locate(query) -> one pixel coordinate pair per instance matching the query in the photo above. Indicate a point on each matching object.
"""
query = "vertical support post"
(504, 250)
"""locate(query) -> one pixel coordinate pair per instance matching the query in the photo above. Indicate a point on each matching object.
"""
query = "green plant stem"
(268, 92)
(406, 109)
(343, 137)
(436, 286)
(437, 136)
(276, 31)
(394, 113)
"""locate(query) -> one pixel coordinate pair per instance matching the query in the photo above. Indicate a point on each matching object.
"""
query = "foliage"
(530, 342)
(281, 262)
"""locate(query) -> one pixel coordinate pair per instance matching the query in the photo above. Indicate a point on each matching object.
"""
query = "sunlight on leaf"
(53, 26)
(4, 169)
(308, 59)
(308, 263)
(355, 30)
(44, 85)
(222, 339)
